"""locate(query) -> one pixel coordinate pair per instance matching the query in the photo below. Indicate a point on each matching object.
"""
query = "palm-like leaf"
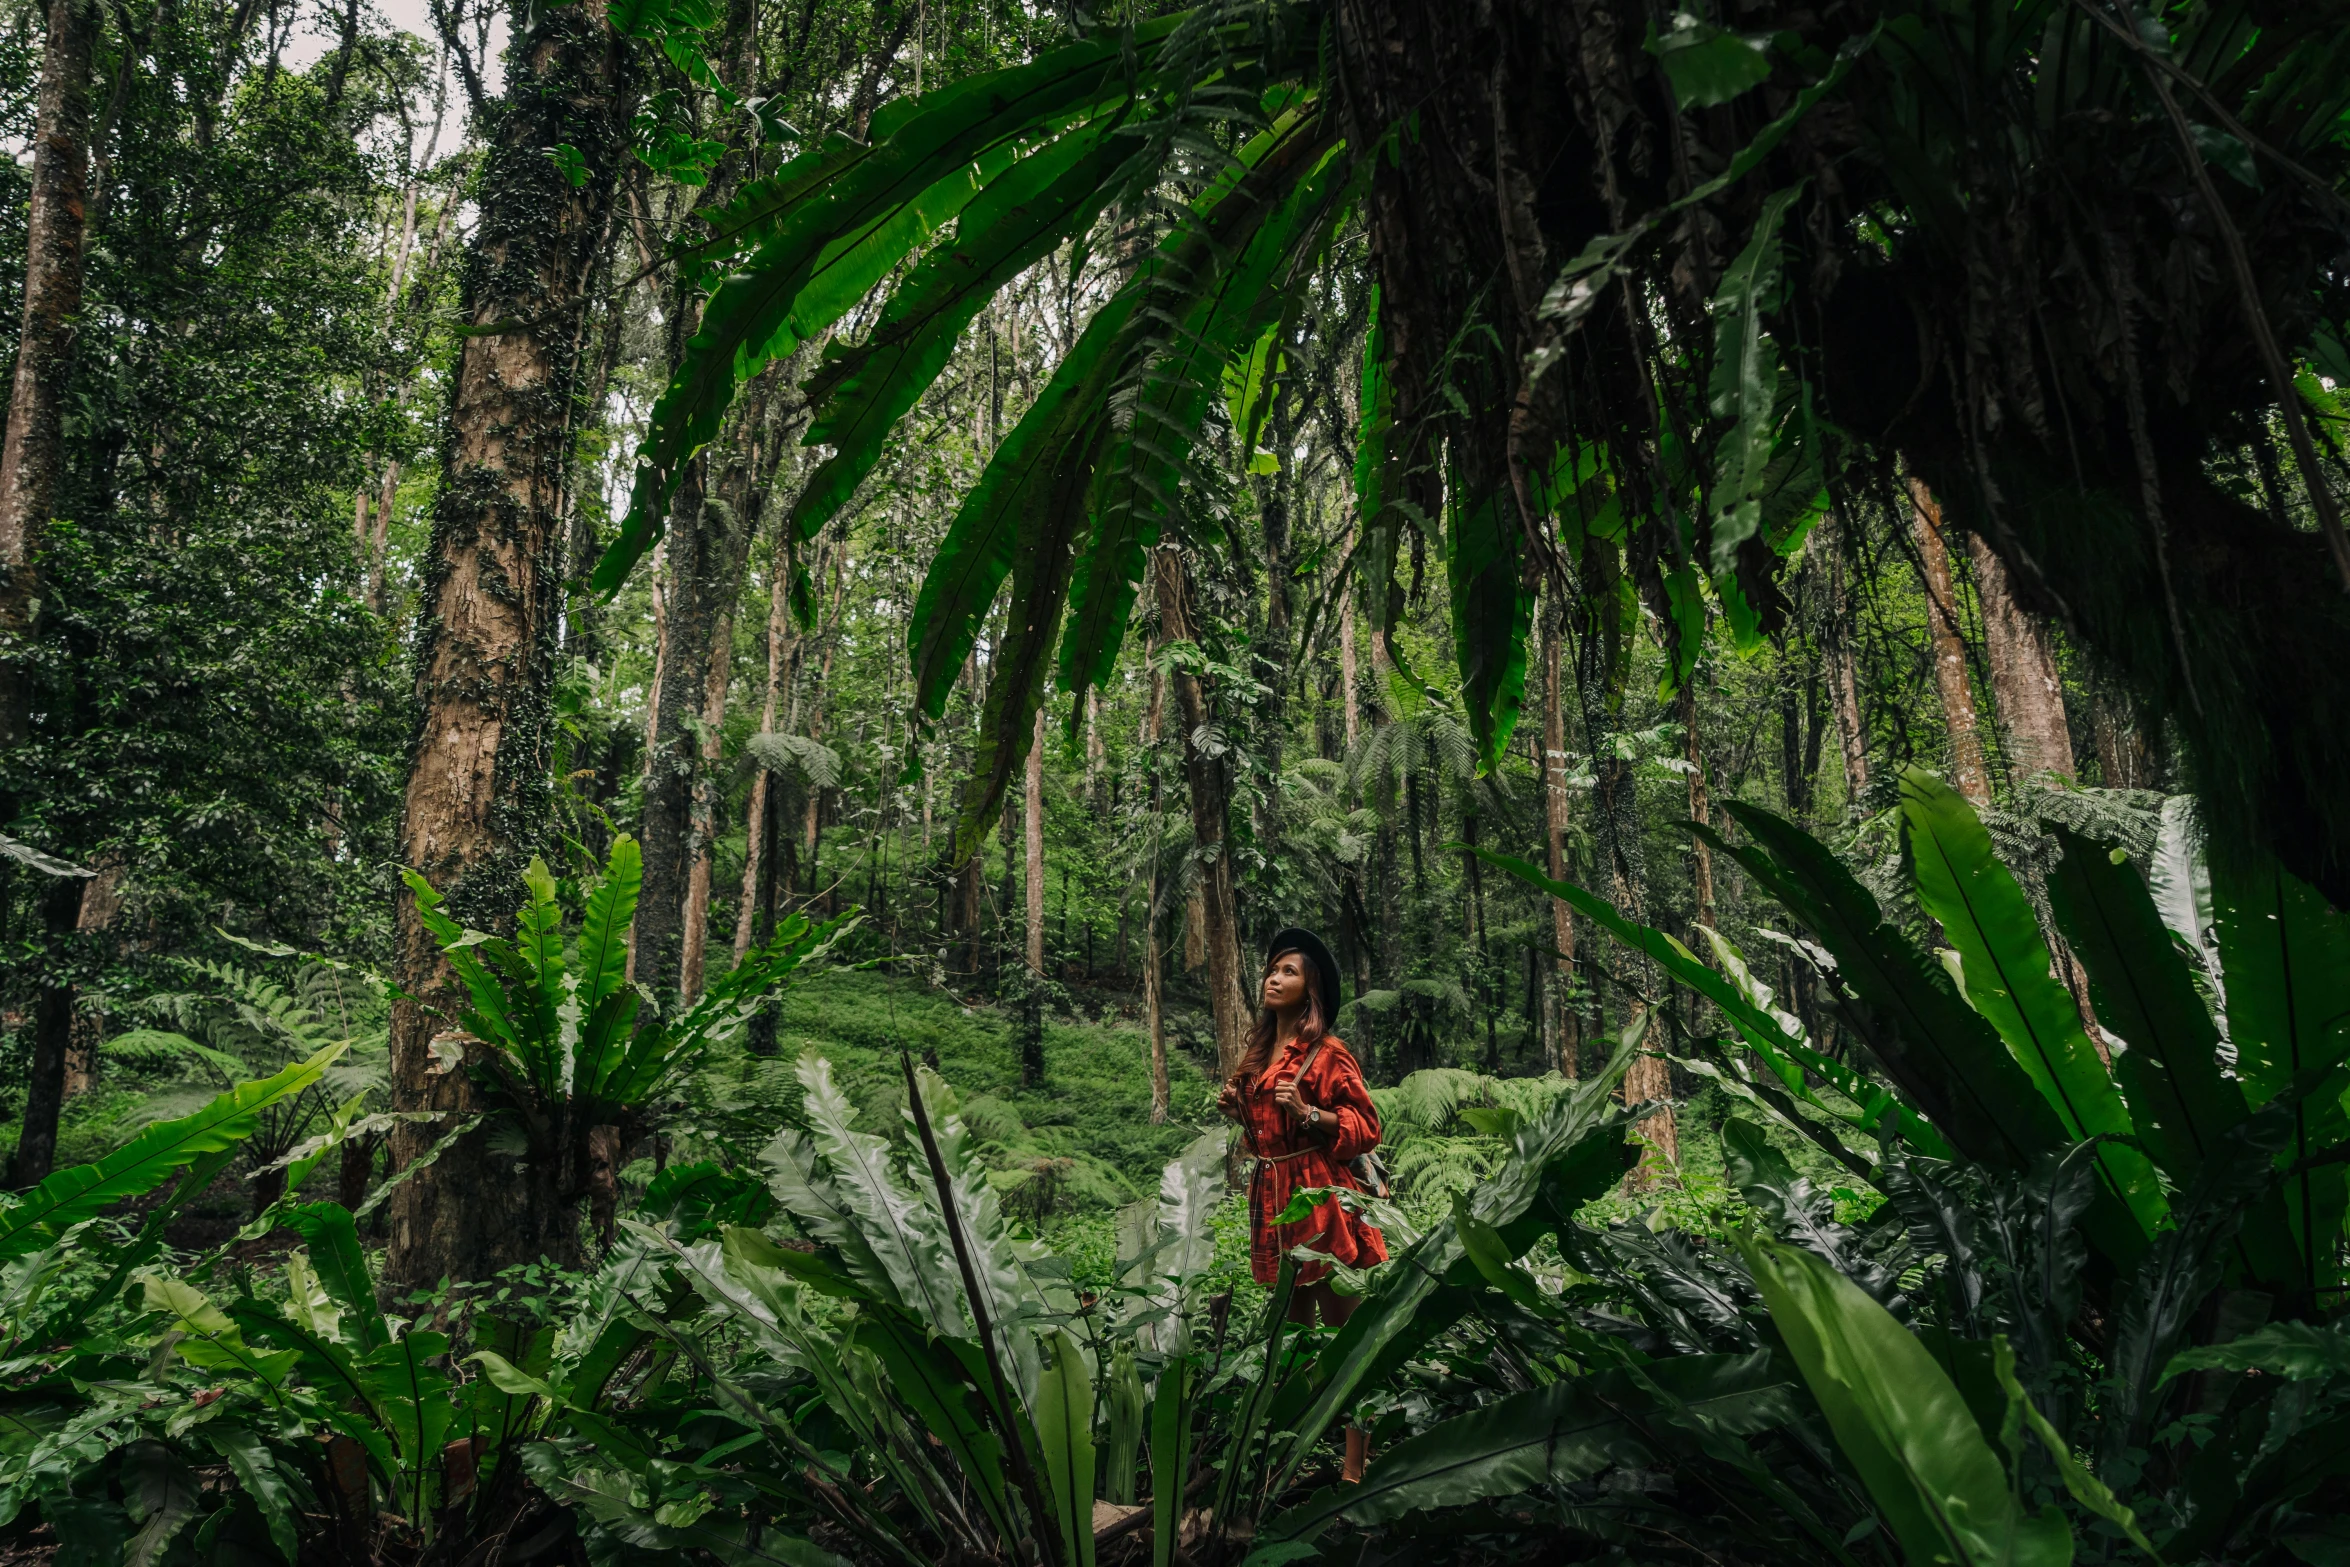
(833, 227)
(151, 1158)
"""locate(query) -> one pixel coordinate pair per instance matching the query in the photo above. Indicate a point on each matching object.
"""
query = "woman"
(1307, 1116)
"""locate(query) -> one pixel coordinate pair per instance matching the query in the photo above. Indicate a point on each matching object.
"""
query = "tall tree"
(757, 846)
(1229, 995)
(1843, 663)
(1965, 760)
(56, 253)
(708, 541)
(1154, 975)
(478, 788)
(1701, 863)
(1566, 1026)
(2024, 681)
(1032, 823)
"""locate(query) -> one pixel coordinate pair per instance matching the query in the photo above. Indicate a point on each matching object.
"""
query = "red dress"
(1291, 1157)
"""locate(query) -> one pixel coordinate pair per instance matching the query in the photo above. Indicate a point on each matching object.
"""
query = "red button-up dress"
(1291, 1157)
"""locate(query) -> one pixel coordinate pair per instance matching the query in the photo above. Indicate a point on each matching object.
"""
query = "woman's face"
(1285, 982)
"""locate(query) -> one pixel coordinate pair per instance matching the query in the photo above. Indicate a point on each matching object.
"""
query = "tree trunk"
(1096, 756)
(478, 794)
(1567, 1031)
(1348, 669)
(1033, 813)
(764, 902)
(2024, 681)
(813, 830)
(1700, 810)
(755, 833)
(1843, 677)
(1950, 672)
(53, 1008)
(56, 249)
(1154, 976)
(711, 524)
(1228, 996)
(708, 543)
(695, 943)
(2125, 758)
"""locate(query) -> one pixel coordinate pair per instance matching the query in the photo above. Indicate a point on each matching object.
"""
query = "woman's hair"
(1267, 1027)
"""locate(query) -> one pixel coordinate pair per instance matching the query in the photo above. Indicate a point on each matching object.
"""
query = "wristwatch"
(1313, 1115)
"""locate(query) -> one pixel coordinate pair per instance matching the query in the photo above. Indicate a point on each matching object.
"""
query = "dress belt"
(1284, 1158)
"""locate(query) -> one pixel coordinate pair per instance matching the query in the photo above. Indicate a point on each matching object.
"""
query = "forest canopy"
(687, 650)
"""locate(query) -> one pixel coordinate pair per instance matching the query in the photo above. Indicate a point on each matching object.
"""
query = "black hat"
(1298, 939)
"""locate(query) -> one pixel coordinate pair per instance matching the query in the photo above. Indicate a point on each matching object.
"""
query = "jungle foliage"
(1771, 575)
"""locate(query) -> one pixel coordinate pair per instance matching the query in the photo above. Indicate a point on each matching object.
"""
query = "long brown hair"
(1267, 1028)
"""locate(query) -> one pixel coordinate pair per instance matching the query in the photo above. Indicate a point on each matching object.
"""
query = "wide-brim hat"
(1300, 940)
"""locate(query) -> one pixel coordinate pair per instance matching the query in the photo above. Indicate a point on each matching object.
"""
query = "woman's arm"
(1349, 1121)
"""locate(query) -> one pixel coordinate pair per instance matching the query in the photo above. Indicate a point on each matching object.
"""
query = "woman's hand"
(1285, 1095)
(1228, 1102)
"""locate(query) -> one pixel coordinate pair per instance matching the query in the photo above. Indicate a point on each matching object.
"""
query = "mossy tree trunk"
(56, 250)
(478, 795)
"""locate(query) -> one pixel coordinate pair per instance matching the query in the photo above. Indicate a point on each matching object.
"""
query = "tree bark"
(1154, 998)
(53, 1009)
(478, 793)
(1567, 1029)
(1700, 810)
(708, 543)
(1967, 774)
(1032, 805)
(1349, 672)
(1843, 676)
(813, 828)
(709, 539)
(1096, 754)
(2024, 681)
(755, 835)
(56, 251)
(1228, 997)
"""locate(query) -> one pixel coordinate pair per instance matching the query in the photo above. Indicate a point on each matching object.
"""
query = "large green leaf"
(326, 1362)
(208, 1339)
(1745, 384)
(1208, 295)
(1788, 1055)
(412, 1397)
(489, 1017)
(1492, 611)
(1041, 564)
(161, 1494)
(984, 538)
(844, 232)
(2286, 959)
(933, 1383)
(2184, 1264)
(890, 1222)
(1941, 1053)
(1553, 1435)
(1900, 1421)
(2011, 979)
(254, 1464)
(151, 1158)
(607, 1005)
(341, 1266)
(1708, 66)
(1021, 215)
(1064, 1429)
(2181, 1100)
(1170, 1457)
